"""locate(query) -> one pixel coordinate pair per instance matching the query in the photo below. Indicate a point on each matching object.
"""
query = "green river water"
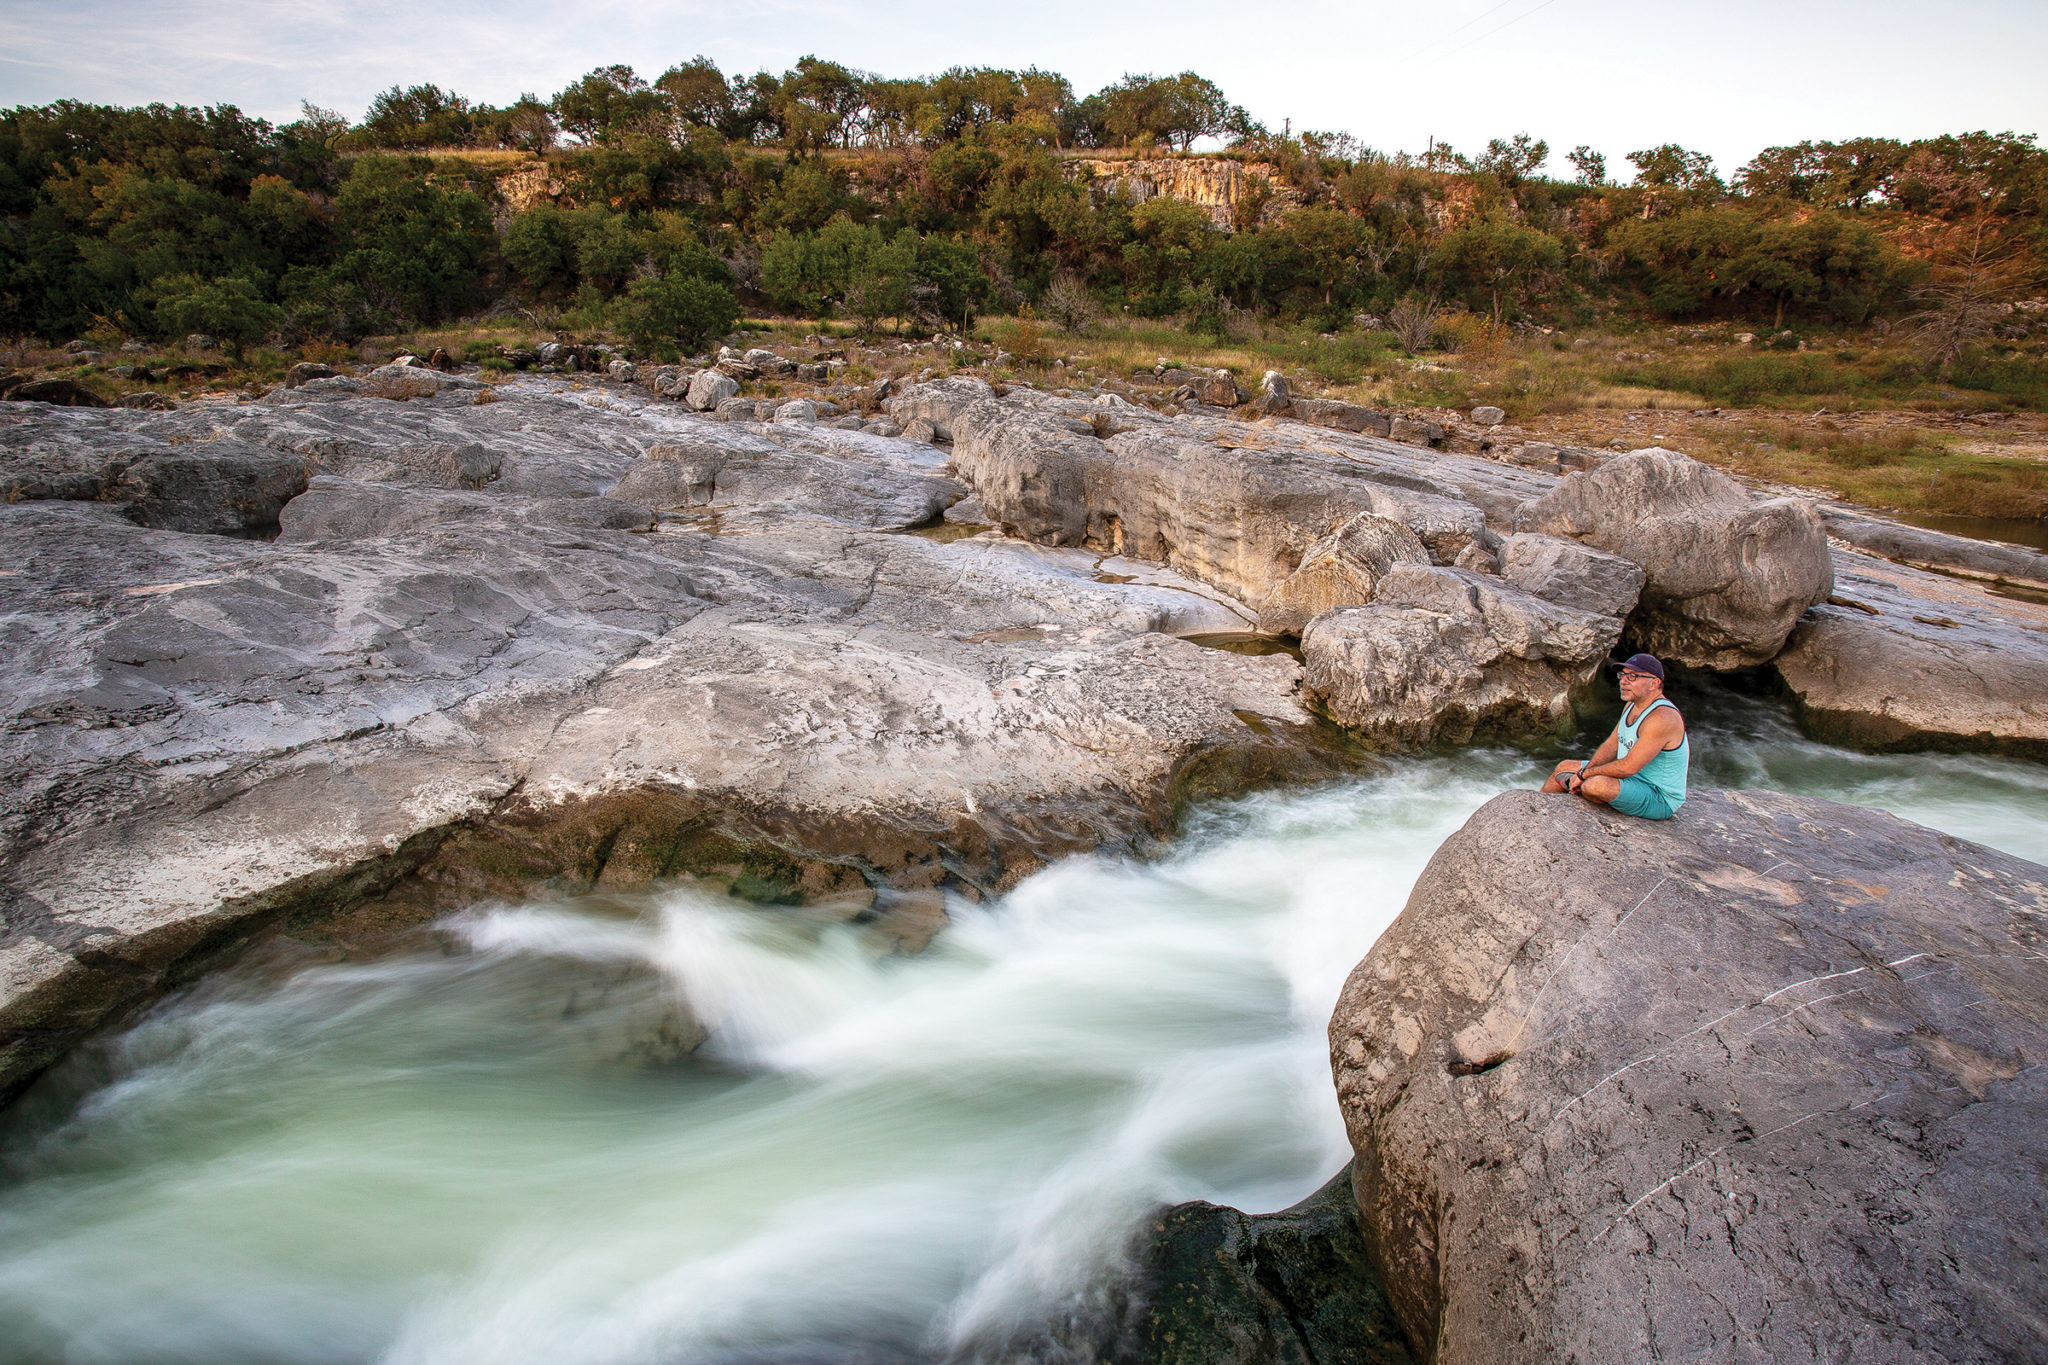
(494, 1150)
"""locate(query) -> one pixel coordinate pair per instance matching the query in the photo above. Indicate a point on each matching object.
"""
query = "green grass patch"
(2020, 380)
(1769, 379)
(1909, 469)
(1747, 381)
(1350, 357)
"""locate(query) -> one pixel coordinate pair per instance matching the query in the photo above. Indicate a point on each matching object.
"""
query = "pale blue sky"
(1726, 78)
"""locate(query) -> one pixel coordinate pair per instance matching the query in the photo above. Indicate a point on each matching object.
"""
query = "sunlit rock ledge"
(338, 654)
(1767, 1081)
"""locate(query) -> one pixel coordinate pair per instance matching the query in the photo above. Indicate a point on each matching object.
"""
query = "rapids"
(680, 1129)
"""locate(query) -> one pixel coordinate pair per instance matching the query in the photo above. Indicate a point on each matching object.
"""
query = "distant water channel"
(497, 1149)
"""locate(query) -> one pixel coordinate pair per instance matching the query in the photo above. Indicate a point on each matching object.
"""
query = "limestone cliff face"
(1212, 183)
(525, 186)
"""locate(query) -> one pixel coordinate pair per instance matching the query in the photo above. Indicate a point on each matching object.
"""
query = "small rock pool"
(681, 1129)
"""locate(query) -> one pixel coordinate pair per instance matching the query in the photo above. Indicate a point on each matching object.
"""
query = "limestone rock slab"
(1445, 654)
(1727, 574)
(1763, 1082)
(1899, 658)
(1340, 570)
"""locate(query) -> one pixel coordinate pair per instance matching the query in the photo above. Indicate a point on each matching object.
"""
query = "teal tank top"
(1665, 772)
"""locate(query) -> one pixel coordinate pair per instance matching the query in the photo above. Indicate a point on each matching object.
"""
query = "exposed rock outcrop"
(412, 381)
(225, 487)
(1213, 184)
(1340, 570)
(563, 639)
(1444, 654)
(1232, 505)
(466, 667)
(938, 403)
(63, 393)
(1329, 412)
(1574, 574)
(1762, 1082)
(1903, 659)
(1924, 549)
(1727, 575)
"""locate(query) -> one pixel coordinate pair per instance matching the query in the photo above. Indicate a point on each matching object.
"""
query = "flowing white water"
(502, 1151)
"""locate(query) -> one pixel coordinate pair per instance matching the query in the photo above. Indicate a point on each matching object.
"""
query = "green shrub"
(671, 315)
(232, 310)
(418, 251)
(2019, 379)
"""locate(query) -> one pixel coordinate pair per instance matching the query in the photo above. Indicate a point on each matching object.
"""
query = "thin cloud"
(1612, 73)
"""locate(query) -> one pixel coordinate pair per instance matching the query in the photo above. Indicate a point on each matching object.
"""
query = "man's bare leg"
(1597, 789)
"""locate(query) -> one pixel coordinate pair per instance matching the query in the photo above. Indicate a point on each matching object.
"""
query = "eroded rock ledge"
(1766, 1082)
(467, 666)
(338, 649)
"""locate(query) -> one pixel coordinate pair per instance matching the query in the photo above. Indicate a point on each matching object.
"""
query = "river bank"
(500, 1145)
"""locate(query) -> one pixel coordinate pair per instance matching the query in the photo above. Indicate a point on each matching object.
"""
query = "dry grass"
(491, 159)
(1905, 466)
(1622, 396)
(1853, 420)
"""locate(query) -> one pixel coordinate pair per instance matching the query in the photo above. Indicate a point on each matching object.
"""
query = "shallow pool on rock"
(500, 1148)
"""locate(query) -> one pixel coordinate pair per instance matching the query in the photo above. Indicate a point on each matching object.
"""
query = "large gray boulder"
(939, 402)
(1331, 412)
(1447, 526)
(1234, 505)
(1216, 389)
(1904, 659)
(1274, 397)
(219, 487)
(1922, 548)
(709, 388)
(1574, 574)
(1759, 1083)
(1444, 654)
(414, 381)
(1728, 574)
(1340, 570)
(58, 392)
(764, 480)
(196, 490)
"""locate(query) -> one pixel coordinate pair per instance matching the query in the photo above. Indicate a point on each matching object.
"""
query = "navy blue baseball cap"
(1640, 663)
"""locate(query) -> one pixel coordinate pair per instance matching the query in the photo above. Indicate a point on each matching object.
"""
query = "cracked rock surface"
(1903, 658)
(1447, 654)
(1765, 1082)
(421, 642)
(491, 645)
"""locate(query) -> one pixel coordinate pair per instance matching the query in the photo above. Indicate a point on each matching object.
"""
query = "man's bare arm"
(1660, 731)
(1609, 747)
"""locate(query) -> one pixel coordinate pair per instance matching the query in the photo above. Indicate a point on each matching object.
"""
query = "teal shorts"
(1638, 797)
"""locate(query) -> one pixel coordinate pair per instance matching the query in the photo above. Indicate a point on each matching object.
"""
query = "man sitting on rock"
(1640, 768)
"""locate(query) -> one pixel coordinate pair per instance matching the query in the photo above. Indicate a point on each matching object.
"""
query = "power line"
(1509, 23)
(1512, 22)
(1446, 37)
